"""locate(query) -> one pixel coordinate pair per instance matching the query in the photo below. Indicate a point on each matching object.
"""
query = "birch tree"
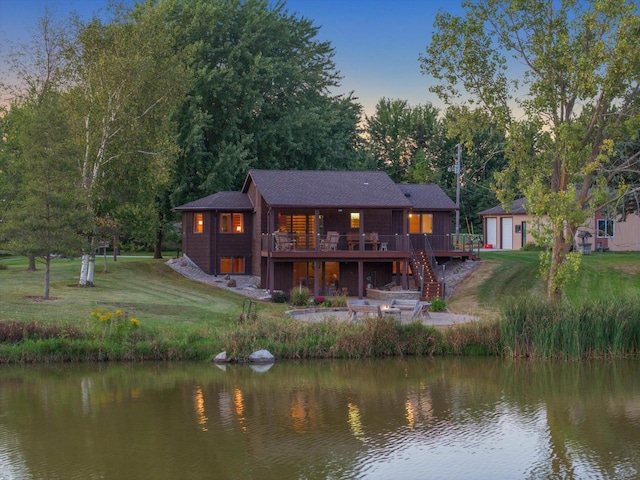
(573, 74)
(128, 80)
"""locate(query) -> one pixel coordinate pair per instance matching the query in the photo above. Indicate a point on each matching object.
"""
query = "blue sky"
(377, 42)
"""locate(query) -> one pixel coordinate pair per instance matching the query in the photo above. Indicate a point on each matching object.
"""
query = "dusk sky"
(377, 42)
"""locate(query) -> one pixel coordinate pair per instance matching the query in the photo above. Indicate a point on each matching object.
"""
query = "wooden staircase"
(431, 287)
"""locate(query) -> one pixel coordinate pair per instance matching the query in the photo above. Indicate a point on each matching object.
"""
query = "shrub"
(319, 300)
(279, 297)
(300, 296)
(339, 301)
(438, 305)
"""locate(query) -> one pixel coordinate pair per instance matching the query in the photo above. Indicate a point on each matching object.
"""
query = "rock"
(231, 283)
(262, 356)
(221, 358)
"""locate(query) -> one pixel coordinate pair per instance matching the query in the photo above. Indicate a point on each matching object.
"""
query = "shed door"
(491, 232)
(507, 233)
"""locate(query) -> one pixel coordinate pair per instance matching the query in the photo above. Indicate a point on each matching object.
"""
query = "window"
(420, 223)
(198, 223)
(232, 223)
(355, 220)
(232, 265)
(606, 229)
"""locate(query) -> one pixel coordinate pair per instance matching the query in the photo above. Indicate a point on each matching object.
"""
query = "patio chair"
(284, 242)
(330, 242)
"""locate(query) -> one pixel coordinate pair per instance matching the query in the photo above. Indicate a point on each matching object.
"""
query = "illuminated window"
(232, 223)
(420, 223)
(198, 223)
(355, 220)
(232, 265)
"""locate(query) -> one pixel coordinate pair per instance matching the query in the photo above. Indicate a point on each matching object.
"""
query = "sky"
(377, 42)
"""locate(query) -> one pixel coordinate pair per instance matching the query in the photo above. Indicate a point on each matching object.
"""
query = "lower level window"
(232, 265)
(606, 229)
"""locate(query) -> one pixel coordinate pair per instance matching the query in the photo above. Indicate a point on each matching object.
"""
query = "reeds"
(536, 328)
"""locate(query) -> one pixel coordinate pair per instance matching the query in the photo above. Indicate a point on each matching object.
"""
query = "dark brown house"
(326, 230)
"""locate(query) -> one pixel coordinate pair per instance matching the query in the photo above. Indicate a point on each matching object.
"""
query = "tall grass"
(603, 328)
(332, 339)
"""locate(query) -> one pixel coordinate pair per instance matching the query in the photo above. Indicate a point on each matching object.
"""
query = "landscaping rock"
(262, 356)
(221, 358)
(232, 283)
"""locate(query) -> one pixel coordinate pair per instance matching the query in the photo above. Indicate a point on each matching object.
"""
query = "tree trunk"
(47, 267)
(83, 270)
(32, 263)
(90, 270)
(157, 251)
(559, 252)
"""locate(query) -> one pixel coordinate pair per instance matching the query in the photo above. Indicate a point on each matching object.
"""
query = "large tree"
(127, 80)
(573, 73)
(46, 212)
(261, 97)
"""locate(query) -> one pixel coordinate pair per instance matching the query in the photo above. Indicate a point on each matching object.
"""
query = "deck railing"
(370, 242)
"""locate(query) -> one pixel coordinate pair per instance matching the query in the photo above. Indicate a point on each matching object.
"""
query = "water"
(384, 419)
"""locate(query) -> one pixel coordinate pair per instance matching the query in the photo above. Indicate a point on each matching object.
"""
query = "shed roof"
(427, 196)
(518, 207)
(327, 189)
(229, 201)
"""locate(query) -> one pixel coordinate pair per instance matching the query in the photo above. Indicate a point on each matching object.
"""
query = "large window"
(198, 223)
(232, 223)
(420, 223)
(606, 229)
(232, 265)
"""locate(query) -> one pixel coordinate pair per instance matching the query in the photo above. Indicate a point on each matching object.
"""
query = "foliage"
(438, 305)
(300, 296)
(279, 297)
(260, 98)
(580, 99)
(606, 328)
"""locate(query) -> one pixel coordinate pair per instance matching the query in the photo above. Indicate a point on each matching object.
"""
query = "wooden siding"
(198, 246)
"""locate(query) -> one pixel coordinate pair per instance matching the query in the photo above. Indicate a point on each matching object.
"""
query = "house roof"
(518, 207)
(427, 196)
(327, 189)
(229, 201)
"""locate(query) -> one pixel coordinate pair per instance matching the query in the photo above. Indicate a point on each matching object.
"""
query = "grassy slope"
(144, 288)
(512, 273)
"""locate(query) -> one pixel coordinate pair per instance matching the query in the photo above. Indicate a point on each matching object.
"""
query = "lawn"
(145, 288)
(504, 274)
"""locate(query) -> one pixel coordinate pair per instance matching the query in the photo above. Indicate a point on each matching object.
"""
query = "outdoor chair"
(330, 242)
(284, 242)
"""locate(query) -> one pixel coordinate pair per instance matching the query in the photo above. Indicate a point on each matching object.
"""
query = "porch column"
(361, 233)
(405, 271)
(360, 278)
(316, 278)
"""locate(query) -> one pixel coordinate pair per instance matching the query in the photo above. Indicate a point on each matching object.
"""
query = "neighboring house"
(507, 230)
(326, 230)
(512, 230)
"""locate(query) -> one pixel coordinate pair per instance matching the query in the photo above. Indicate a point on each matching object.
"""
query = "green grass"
(602, 276)
(144, 288)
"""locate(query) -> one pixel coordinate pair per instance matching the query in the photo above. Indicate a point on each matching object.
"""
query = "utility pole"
(458, 167)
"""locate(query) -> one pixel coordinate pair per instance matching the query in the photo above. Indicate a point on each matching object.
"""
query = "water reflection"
(401, 418)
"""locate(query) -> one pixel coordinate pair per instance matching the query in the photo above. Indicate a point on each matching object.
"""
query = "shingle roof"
(518, 207)
(219, 201)
(427, 196)
(326, 188)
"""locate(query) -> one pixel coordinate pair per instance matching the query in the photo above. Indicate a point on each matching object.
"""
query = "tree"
(128, 80)
(576, 66)
(261, 96)
(404, 141)
(47, 211)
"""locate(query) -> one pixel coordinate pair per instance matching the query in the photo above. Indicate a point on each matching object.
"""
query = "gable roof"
(518, 207)
(327, 189)
(427, 196)
(229, 201)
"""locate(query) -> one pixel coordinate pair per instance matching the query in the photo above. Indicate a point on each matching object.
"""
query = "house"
(326, 230)
(507, 230)
(511, 230)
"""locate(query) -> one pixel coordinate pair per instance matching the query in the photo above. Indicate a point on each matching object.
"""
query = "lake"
(410, 418)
